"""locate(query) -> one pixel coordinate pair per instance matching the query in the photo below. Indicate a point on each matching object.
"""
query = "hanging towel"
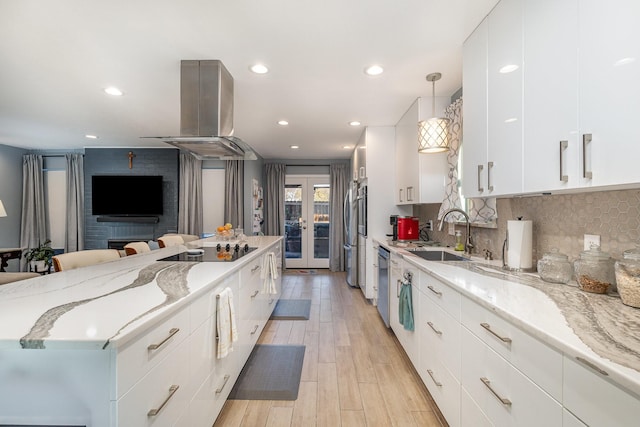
(226, 323)
(405, 308)
(269, 273)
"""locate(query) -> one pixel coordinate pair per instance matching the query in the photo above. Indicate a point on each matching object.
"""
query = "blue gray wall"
(147, 161)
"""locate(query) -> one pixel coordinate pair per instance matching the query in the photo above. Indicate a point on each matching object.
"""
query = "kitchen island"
(130, 342)
(506, 348)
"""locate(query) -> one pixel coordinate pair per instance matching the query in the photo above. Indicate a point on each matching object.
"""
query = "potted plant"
(39, 257)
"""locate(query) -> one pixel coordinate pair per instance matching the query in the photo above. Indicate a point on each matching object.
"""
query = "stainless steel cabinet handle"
(398, 286)
(156, 411)
(434, 329)
(432, 289)
(489, 167)
(255, 293)
(255, 328)
(409, 194)
(480, 189)
(488, 328)
(563, 146)
(400, 195)
(172, 332)
(592, 366)
(436, 382)
(226, 378)
(271, 301)
(256, 268)
(505, 402)
(586, 139)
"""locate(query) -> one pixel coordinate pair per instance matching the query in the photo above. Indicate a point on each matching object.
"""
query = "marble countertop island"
(105, 306)
(595, 327)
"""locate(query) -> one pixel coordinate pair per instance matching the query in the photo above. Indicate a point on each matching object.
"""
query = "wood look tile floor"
(355, 373)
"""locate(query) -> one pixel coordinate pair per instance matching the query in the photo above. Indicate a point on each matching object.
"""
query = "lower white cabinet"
(503, 393)
(470, 412)
(593, 399)
(408, 339)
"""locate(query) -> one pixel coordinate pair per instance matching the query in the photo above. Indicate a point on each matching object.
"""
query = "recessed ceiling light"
(347, 147)
(91, 136)
(508, 68)
(294, 147)
(624, 61)
(283, 122)
(374, 70)
(511, 120)
(113, 91)
(355, 123)
(259, 69)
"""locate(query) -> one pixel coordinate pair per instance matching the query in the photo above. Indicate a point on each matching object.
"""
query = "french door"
(306, 208)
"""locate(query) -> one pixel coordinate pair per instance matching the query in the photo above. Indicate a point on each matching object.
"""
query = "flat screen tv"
(126, 195)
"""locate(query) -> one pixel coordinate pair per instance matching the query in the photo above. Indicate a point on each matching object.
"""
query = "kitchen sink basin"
(438, 255)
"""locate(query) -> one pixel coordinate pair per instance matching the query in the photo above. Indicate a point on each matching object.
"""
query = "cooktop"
(219, 253)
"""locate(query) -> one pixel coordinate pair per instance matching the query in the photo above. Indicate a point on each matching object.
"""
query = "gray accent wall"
(147, 161)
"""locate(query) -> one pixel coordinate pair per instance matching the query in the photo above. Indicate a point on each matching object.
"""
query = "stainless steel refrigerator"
(350, 220)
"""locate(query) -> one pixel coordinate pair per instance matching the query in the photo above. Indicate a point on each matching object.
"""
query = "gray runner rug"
(272, 372)
(292, 309)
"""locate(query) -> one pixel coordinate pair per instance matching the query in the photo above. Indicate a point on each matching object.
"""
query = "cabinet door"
(474, 82)
(609, 89)
(504, 168)
(406, 158)
(551, 146)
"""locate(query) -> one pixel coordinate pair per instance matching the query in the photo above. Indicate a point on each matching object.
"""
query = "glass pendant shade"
(433, 135)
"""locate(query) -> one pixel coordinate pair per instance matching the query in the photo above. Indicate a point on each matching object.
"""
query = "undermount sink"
(437, 255)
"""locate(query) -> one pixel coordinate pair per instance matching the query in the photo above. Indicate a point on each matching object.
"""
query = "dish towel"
(226, 323)
(405, 308)
(269, 273)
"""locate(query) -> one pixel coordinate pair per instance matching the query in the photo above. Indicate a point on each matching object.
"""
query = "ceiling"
(57, 57)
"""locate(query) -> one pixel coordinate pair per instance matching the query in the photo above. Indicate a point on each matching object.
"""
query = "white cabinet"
(420, 178)
(380, 143)
(475, 110)
(493, 67)
(359, 160)
(593, 399)
(408, 339)
(551, 140)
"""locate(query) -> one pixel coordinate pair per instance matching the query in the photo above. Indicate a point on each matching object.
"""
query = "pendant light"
(433, 134)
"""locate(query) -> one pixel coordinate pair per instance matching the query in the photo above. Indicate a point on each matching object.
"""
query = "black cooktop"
(219, 253)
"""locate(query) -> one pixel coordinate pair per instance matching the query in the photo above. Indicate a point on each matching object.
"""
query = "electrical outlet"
(591, 239)
(452, 229)
(429, 225)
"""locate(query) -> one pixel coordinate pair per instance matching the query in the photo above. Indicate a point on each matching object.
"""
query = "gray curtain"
(338, 186)
(33, 224)
(190, 198)
(234, 193)
(274, 198)
(74, 235)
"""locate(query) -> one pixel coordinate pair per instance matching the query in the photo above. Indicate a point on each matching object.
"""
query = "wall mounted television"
(126, 195)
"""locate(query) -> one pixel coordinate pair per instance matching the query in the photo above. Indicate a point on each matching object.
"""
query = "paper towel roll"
(519, 244)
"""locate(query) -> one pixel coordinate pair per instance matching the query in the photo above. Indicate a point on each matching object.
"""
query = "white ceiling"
(56, 58)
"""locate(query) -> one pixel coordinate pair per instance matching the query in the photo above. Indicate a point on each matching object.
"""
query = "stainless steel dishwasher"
(383, 284)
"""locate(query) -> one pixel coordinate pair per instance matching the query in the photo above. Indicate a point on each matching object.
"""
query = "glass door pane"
(293, 220)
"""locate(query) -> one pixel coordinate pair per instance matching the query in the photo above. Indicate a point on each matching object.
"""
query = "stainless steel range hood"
(206, 113)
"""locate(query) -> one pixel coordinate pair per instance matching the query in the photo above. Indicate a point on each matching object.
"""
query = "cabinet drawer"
(505, 395)
(444, 388)
(443, 295)
(470, 413)
(539, 362)
(163, 390)
(596, 401)
(135, 360)
(209, 399)
(440, 335)
(250, 273)
(205, 306)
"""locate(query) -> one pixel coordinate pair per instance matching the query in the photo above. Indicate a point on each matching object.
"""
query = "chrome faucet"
(468, 246)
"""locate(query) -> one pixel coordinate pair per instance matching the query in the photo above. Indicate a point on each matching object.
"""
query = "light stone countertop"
(598, 328)
(106, 305)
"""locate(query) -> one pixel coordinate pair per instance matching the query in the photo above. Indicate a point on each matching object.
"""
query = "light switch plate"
(591, 239)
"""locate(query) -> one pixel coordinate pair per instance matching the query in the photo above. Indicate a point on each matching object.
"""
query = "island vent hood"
(206, 113)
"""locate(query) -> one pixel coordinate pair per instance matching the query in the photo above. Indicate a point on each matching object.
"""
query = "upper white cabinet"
(492, 85)
(609, 91)
(359, 160)
(420, 178)
(562, 120)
